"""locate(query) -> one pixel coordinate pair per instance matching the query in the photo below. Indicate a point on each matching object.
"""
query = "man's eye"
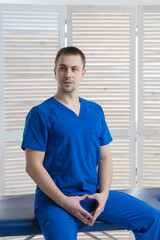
(74, 69)
(62, 68)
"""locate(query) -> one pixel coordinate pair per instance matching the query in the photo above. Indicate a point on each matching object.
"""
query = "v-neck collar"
(81, 112)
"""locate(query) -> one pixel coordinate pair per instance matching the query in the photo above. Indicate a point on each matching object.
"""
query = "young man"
(65, 139)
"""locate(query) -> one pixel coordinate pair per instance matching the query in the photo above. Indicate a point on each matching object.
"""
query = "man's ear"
(55, 72)
(83, 73)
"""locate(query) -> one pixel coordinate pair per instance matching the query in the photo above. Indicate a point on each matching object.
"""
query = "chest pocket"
(94, 140)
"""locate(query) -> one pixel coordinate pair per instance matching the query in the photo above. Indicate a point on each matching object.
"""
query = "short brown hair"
(70, 51)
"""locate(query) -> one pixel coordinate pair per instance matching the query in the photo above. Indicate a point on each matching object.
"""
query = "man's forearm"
(41, 177)
(105, 169)
(36, 170)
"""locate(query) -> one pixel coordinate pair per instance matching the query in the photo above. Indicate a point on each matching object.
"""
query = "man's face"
(69, 72)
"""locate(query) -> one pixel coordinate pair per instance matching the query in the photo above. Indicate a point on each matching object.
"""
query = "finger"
(86, 214)
(93, 196)
(97, 212)
(81, 198)
(92, 213)
(91, 221)
(87, 217)
(84, 220)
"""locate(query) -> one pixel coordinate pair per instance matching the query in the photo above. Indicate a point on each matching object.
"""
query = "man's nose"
(68, 73)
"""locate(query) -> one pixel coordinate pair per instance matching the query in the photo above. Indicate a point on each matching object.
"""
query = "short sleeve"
(35, 133)
(105, 135)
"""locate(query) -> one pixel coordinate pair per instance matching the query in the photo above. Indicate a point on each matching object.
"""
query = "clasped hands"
(72, 206)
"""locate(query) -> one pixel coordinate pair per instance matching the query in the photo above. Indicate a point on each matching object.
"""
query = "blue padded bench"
(17, 217)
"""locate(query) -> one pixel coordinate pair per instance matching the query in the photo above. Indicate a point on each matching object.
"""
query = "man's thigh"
(57, 224)
(127, 212)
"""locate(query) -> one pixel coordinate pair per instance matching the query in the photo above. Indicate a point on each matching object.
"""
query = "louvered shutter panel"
(149, 97)
(30, 36)
(107, 37)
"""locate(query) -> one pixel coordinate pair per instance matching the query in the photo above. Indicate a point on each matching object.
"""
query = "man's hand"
(101, 199)
(72, 206)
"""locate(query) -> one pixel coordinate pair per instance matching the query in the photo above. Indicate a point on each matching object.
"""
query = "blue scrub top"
(71, 143)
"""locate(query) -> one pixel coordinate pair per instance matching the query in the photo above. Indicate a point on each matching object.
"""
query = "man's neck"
(68, 99)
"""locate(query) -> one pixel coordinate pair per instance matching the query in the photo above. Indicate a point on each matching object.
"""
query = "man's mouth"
(67, 82)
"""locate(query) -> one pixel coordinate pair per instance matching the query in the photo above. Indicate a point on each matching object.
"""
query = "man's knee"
(58, 230)
(56, 223)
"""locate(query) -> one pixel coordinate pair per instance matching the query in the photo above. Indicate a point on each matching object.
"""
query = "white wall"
(84, 2)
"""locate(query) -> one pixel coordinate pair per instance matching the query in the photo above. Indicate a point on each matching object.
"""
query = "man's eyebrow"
(64, 65)
(75, 66)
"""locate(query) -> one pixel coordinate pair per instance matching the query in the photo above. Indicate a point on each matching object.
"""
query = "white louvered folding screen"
(107, 37)
(31, 36)
(149, 97)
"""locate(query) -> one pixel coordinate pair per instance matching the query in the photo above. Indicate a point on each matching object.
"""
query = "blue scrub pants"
(121, 209)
